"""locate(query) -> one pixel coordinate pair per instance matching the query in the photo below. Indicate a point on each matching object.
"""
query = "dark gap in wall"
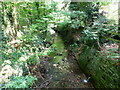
(103, 77)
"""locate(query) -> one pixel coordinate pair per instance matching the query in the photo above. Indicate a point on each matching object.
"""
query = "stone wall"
(104, 72)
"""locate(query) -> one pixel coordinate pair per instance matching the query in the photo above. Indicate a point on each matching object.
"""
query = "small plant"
(20, 82)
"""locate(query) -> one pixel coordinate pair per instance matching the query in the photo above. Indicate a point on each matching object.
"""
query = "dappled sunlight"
(110, 11)
(24, 58)
(111, 51)
(7, 71)
(111, 46)
(19, 34)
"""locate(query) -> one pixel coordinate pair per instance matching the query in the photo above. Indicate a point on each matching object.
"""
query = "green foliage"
(79, 20)
(89, 8)
(20, 82)
(104, 3)
(36, 13)
(33, 18)
(89, 37)
(34, 23)
(112, 53)
(50, 51)
(80, 15)
(101, 31)
(32, 60)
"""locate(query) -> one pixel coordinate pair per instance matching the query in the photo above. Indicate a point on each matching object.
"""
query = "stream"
(63, 72)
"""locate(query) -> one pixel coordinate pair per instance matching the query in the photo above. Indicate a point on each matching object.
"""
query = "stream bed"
(63, 72)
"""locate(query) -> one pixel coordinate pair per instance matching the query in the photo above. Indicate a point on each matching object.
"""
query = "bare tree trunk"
(119, 22)
(1, 35)
(119, 17)
(6, 22)
(15, 23)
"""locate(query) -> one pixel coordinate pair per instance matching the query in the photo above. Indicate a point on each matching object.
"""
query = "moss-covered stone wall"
(104, 72)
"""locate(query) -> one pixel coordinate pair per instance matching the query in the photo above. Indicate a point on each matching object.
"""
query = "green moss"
(102, 70)
(60, 49)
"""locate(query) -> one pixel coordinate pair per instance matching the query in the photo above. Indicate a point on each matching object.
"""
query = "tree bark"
(15, 23)
(119, 22)
(119, 17)
(6, 21)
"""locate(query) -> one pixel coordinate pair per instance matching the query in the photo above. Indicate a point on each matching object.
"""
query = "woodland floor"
(65, 74)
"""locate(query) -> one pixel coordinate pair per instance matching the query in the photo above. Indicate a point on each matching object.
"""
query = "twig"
(99, 44)
(27, 68)
(79, 49)
(45, 83)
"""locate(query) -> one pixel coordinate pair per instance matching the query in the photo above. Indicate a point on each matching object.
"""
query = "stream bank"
(101, 64)
(103, 70)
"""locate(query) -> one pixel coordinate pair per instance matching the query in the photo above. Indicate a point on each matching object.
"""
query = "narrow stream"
(64, 71)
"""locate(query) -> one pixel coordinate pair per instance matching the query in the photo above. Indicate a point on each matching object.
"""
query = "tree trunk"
(15, 23)
(119, 17)
(119, 22)
(1, 34)
(6, 21)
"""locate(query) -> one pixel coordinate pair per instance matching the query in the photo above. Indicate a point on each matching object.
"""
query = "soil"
(65, 74)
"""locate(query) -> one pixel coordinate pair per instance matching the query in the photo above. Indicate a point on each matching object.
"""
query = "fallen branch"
(45, 83)
(79, 50)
